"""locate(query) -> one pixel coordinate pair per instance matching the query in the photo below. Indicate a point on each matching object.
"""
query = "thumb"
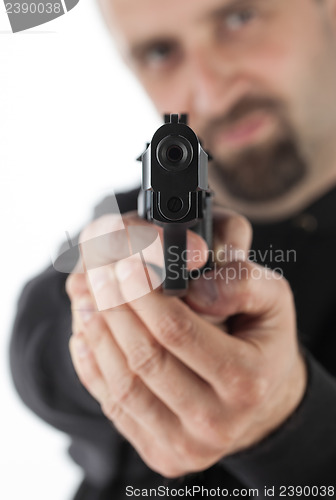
(240, 287)
(232, 236)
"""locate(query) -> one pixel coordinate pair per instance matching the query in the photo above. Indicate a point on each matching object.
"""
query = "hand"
(182, 390)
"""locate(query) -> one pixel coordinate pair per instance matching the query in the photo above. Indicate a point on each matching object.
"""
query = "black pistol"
(175, 195)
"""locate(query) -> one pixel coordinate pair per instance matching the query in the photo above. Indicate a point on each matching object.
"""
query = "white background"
(72, 121)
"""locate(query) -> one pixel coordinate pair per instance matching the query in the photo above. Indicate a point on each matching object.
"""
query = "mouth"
(255, 127)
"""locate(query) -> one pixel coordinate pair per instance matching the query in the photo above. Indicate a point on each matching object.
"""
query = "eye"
(237, 20)
(160, 54)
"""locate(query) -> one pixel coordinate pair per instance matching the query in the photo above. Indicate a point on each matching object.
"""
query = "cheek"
(274, 66)
(286, 69)
(301, 65)
(318, 92)
(308, 78)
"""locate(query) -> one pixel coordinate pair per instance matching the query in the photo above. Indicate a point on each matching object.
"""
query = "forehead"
(134, 19)
(159, 9)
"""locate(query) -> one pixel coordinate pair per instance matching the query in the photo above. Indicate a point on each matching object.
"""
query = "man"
(220, 385)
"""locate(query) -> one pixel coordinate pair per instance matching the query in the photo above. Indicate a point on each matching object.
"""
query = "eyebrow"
(222, 10)
(139, 49)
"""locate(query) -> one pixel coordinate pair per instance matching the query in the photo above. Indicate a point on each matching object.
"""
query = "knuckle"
(170, 471)
(285, 286)
(88, 380)
(248, 282)
(145, 359)
(126, 387)
(230, 436)
(74, 325)
(96, 334)
(191, 453)
(207, 423)
(176, 329)
(247, 296)
(250, 392)
(184, 450)
(241, 381)
(283, 289)
(159, 461)
(164, 466)
(227, 371)
(111, 409)
(88, 377)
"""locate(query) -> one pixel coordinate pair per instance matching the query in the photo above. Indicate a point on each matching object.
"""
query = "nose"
(215, 84)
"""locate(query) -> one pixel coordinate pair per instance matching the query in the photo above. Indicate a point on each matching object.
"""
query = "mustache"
(241, 109)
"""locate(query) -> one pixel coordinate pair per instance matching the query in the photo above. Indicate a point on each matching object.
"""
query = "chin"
(264, 174)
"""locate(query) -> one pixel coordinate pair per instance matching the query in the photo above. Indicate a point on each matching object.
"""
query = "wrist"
(285, 403)
(292, 394)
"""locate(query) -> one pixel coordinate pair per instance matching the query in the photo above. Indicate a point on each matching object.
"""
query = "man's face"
(257, 78)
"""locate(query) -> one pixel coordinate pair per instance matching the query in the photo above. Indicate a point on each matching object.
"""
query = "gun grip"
(175, 245)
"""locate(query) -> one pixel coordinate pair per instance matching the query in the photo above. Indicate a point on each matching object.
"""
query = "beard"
(264, 172)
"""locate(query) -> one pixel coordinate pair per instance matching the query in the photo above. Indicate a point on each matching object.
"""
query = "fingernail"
(82, 349)
(124, 270)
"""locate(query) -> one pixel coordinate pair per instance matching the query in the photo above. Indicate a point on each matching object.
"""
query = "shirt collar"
(318, 217)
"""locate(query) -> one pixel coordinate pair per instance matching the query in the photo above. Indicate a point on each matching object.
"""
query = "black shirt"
(301, 452)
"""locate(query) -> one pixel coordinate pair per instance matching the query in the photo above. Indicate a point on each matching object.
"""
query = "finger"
(240, 288)
(112, 238)
(75, 285)
(105, 290)
(167, 377)
(91, 377)
(126, 389)
(195, 256)
(86, 368)
(232, 235)
(164, 459)
(205, 349)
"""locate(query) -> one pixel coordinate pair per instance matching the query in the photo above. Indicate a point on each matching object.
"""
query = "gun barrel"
(175, 194)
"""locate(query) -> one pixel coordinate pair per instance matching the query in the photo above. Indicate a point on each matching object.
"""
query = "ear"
(330, 7)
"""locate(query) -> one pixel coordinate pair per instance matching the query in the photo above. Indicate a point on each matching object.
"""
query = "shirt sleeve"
(44, 375)
(302, 452)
